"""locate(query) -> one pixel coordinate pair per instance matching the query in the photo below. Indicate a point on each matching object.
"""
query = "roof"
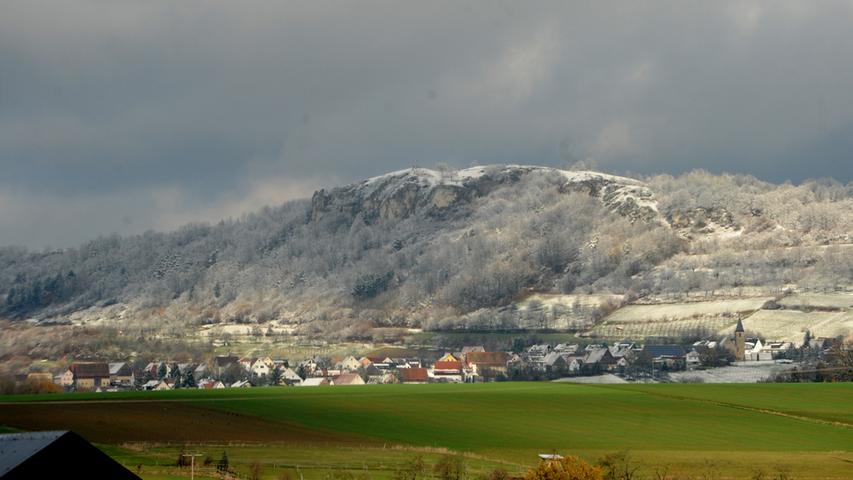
(597, 355)
(120, 368)
(664, 350)
(487, 358)
(48, 454)
(90, 369)
(739, 327)
(315, 381)
(348, 379)
(447, 366)
(224, 361)
(473, 348)
(413, 375)
(552, 358)
(15, 448)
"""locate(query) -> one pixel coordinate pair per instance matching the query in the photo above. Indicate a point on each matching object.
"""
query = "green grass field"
(804, 430)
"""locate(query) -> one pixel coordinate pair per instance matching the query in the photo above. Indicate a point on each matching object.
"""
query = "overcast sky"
(126, 116)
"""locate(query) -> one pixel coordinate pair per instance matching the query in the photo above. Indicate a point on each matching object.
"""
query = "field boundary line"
(738, 406)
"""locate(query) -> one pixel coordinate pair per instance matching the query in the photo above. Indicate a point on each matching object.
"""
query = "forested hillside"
(442, 249)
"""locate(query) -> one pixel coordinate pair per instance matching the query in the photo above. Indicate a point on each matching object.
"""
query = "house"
(314, 382)
(556, 361)
(246, 363)
(261, 367)
(535, 356)
(90, 375)
(121, 373)
(758, 352)
(54, 455)
(200, 371)
(486, 363)
(154, 369)
(165, 384)
(365, 361)
(241, 384)
(309, 366)
(413, 375)
(289, 377)
(373, 371)
(67, 379)
(692, 359)
(210, 384)
(574, 363)
(602, 357)
(447, 370)
(670, 356)
(222, 363)
(348, 379)
(349, 364)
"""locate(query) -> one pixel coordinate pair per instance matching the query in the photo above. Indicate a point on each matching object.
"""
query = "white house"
(758, 352)
(290, 377)
(349, 364)
(261, 368)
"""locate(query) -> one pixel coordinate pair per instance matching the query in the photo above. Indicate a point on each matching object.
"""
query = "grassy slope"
(794, 426)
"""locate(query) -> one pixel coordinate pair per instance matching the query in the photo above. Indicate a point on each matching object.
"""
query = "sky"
(119, 117)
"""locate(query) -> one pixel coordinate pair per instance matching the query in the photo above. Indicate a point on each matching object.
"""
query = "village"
(626, 361)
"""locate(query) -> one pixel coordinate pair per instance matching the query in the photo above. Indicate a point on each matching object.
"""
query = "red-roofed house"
(413, 375)
(485, 364)
(447, 371)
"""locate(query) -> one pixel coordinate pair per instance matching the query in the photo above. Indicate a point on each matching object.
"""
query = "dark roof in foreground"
(49, 455)
(17, 447)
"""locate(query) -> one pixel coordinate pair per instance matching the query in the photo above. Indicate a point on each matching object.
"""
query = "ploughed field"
(802, 430)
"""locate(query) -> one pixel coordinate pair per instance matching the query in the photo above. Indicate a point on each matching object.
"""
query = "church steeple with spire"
(740, 342)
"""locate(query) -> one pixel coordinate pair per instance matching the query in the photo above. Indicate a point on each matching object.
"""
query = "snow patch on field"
(751, 372)
(676, 311)
(819, 300)
(791, 325)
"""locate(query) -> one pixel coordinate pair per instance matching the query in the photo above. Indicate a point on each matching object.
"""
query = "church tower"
(740, 354)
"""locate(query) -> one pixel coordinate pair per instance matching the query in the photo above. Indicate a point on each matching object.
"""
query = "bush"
(568, 468)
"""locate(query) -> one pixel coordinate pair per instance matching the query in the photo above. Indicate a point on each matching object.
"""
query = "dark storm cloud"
(123, 116)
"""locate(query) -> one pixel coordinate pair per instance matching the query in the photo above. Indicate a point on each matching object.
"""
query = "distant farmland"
(804, 429)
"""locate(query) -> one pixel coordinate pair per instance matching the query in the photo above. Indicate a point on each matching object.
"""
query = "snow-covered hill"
(397, 195)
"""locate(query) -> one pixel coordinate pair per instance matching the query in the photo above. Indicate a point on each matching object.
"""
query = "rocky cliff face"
(400, 194)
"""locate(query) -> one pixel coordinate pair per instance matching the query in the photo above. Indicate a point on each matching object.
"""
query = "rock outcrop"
(398, 195)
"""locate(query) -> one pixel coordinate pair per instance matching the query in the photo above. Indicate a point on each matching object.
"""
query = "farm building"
(90, 375)
(52, 455)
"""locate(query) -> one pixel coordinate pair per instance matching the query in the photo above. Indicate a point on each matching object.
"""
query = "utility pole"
(192, 462)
